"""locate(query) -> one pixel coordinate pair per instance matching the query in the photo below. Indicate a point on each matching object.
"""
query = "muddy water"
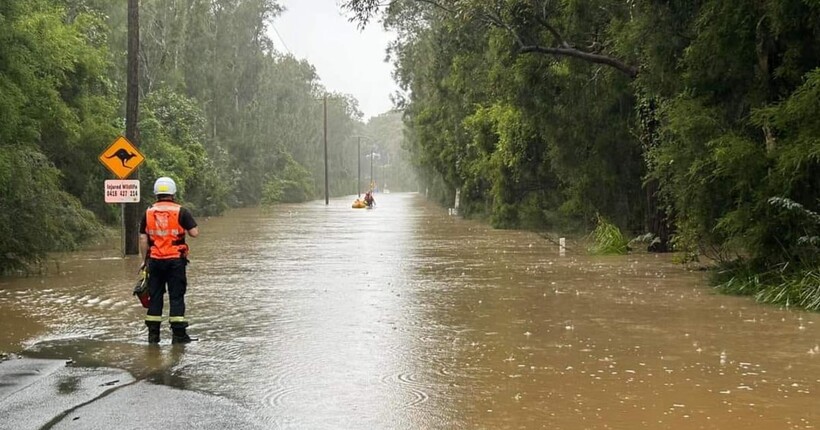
(403, 317)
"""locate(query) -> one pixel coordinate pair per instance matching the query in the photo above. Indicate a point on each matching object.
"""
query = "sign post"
(122, 158)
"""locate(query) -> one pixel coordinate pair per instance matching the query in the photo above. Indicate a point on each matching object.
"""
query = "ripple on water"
(277, 396)
(407, 383)
(120, 304)
(285, 383)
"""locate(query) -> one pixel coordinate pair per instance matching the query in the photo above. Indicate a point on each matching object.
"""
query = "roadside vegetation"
(234, 121)
(691, 124)
(607, 239)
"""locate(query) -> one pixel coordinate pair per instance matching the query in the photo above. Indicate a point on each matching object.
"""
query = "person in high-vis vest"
(162, 245)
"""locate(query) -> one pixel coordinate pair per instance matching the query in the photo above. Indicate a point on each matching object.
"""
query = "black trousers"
(170, 273)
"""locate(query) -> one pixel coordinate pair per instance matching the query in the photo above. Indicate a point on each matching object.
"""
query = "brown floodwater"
(405, 317)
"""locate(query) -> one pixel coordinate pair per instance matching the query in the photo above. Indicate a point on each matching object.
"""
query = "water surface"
(405, 317)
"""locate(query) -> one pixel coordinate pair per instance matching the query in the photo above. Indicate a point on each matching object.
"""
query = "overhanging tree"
(585, 31)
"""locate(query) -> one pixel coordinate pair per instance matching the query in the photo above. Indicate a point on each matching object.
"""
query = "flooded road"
(405, 318)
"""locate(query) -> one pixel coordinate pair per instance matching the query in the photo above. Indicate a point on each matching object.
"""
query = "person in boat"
(368, 199)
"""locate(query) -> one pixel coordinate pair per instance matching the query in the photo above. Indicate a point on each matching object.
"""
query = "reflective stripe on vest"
(166, 235)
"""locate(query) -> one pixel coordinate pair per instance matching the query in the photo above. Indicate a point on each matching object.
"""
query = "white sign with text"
(122, 191)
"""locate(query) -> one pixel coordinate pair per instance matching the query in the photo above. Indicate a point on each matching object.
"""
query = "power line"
(280, 38)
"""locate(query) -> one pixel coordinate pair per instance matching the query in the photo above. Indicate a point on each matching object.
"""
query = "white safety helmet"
(165, 185)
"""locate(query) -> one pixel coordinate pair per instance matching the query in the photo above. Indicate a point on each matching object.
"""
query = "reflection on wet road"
(403, 317)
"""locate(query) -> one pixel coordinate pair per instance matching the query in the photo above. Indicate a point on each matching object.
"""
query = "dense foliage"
(695, 118)
(693, 121)
(55, 112)
(232, 120)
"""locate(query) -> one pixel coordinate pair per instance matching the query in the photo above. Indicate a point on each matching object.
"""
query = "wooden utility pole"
(131, 212)
(327, 193)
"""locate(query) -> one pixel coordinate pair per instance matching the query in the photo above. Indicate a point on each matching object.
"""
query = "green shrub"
(36, 216)
(607, 239)
(292, 185)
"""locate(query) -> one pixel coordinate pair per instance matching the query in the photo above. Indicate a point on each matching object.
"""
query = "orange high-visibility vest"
(162, 227)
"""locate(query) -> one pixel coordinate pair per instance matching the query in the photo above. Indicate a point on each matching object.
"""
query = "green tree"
(172, 132)
(35, 215)
(531, 154)
(711, 103)
(53, 99)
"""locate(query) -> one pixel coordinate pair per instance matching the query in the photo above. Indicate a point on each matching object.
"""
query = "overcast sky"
(346, 59)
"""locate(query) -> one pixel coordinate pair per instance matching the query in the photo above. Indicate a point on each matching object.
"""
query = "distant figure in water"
(369, 200)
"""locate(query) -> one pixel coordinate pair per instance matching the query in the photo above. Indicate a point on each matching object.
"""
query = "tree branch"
(364, 9)
(558, 38)
(493, 19)
(626, 69)
(565, 49)
(438, 5)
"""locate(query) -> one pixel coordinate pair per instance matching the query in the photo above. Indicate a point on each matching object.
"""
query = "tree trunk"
(656, 220)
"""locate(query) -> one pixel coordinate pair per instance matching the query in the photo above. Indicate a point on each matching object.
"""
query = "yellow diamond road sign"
(121, 157)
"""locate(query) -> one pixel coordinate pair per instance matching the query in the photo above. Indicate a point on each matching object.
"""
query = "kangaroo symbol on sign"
(123, 155)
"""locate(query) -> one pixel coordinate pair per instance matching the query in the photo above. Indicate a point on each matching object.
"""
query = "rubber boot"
(180, 335)
(153, 332)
